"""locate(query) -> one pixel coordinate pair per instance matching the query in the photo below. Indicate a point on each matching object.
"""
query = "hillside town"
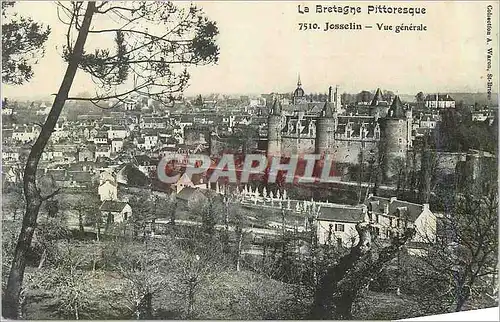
(110, 152)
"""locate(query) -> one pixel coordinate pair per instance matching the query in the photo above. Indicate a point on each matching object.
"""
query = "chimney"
(393, 199)
(330, 94)
(425, 207)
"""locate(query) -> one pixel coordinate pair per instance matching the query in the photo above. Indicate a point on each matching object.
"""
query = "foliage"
(22, 45)
(153, 45)
(457, 132)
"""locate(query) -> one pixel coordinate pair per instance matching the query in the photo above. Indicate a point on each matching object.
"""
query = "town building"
(439, 101)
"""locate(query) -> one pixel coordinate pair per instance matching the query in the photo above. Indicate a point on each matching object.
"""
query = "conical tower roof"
(276, 109)
(397, 109)
(377, 98)
(327, 111)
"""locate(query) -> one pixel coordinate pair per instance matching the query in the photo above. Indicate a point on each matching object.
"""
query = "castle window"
(339, 227)
(400, 140)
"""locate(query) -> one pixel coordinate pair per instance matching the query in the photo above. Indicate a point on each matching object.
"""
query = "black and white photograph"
(250, 160)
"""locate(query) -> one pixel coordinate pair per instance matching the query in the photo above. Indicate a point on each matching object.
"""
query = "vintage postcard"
(249, 160)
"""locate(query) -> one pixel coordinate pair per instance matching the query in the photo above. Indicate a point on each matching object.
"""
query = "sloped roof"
(378, 98)
(439, 97)
(397, 109)
(112, 206)
(397, 208)
(342, 214)
(327, 111)
(276, 110)
(187, 192)
(81, 176)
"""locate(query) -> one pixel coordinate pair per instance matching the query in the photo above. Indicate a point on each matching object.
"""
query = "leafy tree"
(364, 96)
(199, 101)
(420, 98)
(22, 45)
(388, 95)
(153, 45)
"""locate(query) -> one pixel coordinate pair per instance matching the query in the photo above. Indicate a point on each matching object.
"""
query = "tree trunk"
(42, 259)
(238, 252)
(98, 231)
(10, 303)
(80, 225)
(146, 307)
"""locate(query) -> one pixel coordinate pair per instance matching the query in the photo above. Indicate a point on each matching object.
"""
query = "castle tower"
(274, 129)
(395, 136)
(325, 128)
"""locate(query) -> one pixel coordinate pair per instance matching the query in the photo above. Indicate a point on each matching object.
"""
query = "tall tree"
(154, 42)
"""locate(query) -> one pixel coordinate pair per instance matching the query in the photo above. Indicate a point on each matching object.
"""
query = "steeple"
(299, 83)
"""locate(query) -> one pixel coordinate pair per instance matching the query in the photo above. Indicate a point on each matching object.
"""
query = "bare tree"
(464, 263)
(340, 286)
(154, 44)
(147, 268)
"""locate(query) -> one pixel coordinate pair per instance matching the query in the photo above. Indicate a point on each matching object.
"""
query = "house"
(100, 138)
(337, 224)
(152, 123)
(108, 190)
(87, 153)
(7, 111)
(439, 101)
(115, 211)
(116, 145)
(196, 181)
(117, 132)
(9, 154)
(79, 179)
(25, 134)
(189, 194)
(102, 151)
(391, 216)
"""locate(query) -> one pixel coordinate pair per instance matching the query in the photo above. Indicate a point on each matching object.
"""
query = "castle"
(326, 129)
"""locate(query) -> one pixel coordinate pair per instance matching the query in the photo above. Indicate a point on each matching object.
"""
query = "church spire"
(299, 83)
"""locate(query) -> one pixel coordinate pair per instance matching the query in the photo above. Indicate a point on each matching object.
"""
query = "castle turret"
(274, 129)
(395, 135)
(325, 128)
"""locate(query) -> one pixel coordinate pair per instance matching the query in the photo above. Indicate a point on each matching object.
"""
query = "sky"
(262, 50)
